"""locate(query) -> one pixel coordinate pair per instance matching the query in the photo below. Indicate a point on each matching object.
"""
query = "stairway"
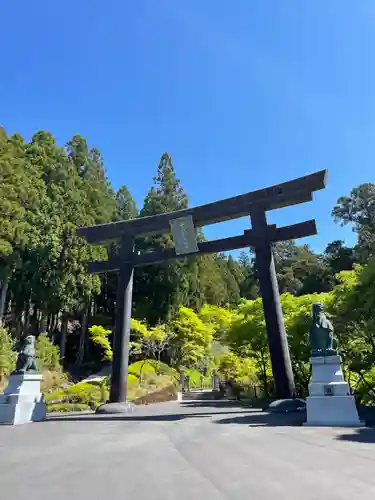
(198, 395)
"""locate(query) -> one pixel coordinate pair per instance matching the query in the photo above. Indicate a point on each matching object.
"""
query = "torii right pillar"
(277, 340)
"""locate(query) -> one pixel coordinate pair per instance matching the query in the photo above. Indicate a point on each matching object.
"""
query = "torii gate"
(182, 224)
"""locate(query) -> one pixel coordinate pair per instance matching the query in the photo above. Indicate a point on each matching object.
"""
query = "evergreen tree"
(339, 257)
(358, 209)
(299, 270)
(125, 204)
(20, 191)
(160, 289)
(166, 195)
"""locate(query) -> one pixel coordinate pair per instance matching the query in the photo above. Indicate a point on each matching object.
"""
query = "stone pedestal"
(330, 402)
(22, 401)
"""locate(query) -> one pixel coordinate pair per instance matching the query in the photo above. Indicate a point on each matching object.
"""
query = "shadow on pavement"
(136, 418)
(211, 404)
(261, 419)
(359, 436)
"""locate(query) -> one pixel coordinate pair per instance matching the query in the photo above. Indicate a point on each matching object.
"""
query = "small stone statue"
(26, 361)
(321, 333)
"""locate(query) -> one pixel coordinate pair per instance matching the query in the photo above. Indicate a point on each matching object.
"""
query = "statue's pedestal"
(22, 401)
(330, 402)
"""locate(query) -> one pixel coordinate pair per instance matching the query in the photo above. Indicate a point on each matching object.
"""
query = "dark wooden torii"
(260, 236)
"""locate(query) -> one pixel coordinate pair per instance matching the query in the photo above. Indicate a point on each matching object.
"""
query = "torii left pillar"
(119, 377)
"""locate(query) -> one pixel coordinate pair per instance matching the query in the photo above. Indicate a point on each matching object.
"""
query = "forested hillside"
(48, 190)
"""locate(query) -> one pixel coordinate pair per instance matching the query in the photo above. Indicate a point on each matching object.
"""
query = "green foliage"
(20, 192)
(339, 257)
(48, 355)
(195, 378)
(85, 393)
(47, 191)
(164, 369)
(219, 318)
(149, 341)
(66, 407)
(191, 339)
(300, 271)
(146, 367)
(125, 204)
(99, 335)
(7, 353)
(241, 371)
(358, 210)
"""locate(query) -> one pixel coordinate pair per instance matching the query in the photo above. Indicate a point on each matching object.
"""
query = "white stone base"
(330, 402)
(332, 411)
(22, 402)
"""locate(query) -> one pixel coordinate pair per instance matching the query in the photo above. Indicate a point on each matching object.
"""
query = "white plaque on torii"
(184, 235)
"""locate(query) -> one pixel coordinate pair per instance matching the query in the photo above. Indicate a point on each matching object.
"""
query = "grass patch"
(66, 407)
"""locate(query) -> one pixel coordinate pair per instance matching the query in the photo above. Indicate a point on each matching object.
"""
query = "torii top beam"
(280, 195)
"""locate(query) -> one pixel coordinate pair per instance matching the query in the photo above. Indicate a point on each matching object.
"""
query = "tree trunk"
(82, 338)
(3, 297)
(26, 315)
(43, 322)
(141, 371)
(18, 327)
(264, 374)
(64, 333)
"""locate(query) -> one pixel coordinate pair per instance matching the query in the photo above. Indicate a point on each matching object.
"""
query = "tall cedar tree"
(160, 289)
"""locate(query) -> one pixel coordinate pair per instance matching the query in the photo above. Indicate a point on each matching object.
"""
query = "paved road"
(187, 451)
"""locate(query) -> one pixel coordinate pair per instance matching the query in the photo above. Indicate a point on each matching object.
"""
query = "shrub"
(52, 380)
(87, 393)
(7, 354)
(164, 369)
(132, 379)
(195, 378)
(48, 355)
(100, 337)
(143, 367)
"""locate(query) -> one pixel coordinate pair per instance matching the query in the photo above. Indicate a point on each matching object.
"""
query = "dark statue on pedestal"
(26, 361)
(321, 333)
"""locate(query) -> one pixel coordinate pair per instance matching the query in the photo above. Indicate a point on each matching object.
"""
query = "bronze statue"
(321, 333)
(26, 362)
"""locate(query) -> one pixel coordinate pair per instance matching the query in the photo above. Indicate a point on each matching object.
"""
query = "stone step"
(197, 395)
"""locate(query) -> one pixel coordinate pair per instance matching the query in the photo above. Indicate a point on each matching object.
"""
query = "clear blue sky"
(241, 93)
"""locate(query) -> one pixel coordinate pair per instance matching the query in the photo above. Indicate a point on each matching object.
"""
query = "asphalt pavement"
(185, 451)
